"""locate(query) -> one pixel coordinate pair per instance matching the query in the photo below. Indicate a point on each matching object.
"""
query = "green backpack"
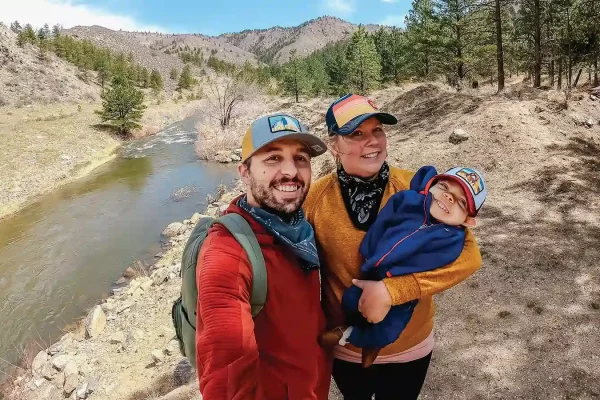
(183, 312)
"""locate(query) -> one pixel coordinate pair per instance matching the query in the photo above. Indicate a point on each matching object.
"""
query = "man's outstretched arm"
(226, 351)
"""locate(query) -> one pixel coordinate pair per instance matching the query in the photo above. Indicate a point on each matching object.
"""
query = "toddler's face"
(449, 203)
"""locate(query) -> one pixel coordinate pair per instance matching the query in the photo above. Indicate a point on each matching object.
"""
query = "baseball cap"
(273, 127)
(472, 183)
(348, 112)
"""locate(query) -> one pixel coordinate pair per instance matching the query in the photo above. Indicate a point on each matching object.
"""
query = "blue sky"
(200, 16)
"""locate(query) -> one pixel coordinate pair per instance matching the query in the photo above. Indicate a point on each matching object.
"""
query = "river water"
(62, 254)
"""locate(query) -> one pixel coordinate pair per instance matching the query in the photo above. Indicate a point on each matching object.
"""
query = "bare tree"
(226, 93)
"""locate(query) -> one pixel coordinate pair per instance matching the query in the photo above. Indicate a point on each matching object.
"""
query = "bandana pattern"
(298, 235)
(362, 198)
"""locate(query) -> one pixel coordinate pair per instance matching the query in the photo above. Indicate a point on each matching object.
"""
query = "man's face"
(449, 203)
(279, 177)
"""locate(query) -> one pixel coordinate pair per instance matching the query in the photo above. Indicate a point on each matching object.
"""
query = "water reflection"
(60, 255)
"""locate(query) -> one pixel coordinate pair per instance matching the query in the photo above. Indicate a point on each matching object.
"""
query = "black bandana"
(363, 198)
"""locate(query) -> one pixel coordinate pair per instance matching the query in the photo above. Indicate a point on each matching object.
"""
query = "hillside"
(523, 327)
(127, 42)
(26, 78)
(274, 44)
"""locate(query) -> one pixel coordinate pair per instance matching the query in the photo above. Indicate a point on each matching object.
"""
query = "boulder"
(95, 322)
(589, 122)
(59, 380)
(117, 338)
(108, 306)
(174, 229)
(48, 391)
(129, 273)
(71, 378)
(146, 285)
(157, 356)
(56, 348)
(59, 362)
(235, 157)
(458, 136)
(237, 152)
(39, 361)
(160, 275)
(48, 371)
(195, 218)
(82, 391)
(223, 157)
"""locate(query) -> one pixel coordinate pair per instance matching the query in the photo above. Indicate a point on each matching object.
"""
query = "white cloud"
(394, 20)
(389, 1)
(340, 7)
(68, 13)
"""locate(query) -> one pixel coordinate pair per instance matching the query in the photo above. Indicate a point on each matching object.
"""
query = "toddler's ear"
(470, 222)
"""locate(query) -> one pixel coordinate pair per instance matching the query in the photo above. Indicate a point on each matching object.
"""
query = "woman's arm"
(421, 284)
(379, 296)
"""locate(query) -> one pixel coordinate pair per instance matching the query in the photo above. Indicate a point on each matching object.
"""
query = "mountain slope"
(130, 42)
(26, 77)
(275, 44)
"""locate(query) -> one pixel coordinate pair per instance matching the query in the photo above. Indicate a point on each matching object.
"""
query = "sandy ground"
(526, 326)
(45, 146)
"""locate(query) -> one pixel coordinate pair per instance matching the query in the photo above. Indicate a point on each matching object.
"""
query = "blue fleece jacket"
(404, 239)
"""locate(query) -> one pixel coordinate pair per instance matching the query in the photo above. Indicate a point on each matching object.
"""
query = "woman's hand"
(375, 301)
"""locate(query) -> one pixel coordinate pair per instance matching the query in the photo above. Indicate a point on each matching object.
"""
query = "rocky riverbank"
(126, 347)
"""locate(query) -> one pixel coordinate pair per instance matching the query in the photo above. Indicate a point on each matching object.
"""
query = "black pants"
(398, 381)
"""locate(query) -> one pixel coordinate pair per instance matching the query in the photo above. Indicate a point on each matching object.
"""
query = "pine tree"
(391, 46)
(16, 27)
(144, 77)
(423, 32)
(56, 30)
(156, 81)
(296, 79)
(186, 81)
(318, 76)
(336, 66)
(122, 105)
(364, 63)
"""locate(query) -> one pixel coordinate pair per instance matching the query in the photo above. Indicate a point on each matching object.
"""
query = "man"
(276, 355)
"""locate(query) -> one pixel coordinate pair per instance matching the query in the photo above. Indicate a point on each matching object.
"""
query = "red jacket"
(276, 356)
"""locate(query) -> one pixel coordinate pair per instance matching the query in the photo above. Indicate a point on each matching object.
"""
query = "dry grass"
(46, 146)
(212, 138)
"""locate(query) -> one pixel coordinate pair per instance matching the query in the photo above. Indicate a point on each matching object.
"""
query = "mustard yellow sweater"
(338, 242)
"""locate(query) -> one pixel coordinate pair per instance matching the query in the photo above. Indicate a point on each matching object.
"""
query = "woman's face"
(363, 152)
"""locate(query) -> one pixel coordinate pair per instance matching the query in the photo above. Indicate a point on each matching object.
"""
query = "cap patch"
(472, 178)
(284, 123)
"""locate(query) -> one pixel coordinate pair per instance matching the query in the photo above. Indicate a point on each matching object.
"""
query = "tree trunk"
(560, 73)
(499, 50)
(596, 71)
(570, 65)
(537, 68)
(577, 78)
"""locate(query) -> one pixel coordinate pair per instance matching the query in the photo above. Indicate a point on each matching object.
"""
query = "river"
(62, 254)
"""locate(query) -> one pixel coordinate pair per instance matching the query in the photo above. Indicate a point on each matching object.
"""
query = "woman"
(341, 206)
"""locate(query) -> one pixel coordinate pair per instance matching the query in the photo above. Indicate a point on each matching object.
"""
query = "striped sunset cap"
(348, 112)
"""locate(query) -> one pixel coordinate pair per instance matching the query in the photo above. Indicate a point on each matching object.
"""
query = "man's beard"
(265, 197)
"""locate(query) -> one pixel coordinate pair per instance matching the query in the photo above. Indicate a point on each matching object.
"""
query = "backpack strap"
(242, 232)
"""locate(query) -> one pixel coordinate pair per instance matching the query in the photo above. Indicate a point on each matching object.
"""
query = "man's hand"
(375, 301)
